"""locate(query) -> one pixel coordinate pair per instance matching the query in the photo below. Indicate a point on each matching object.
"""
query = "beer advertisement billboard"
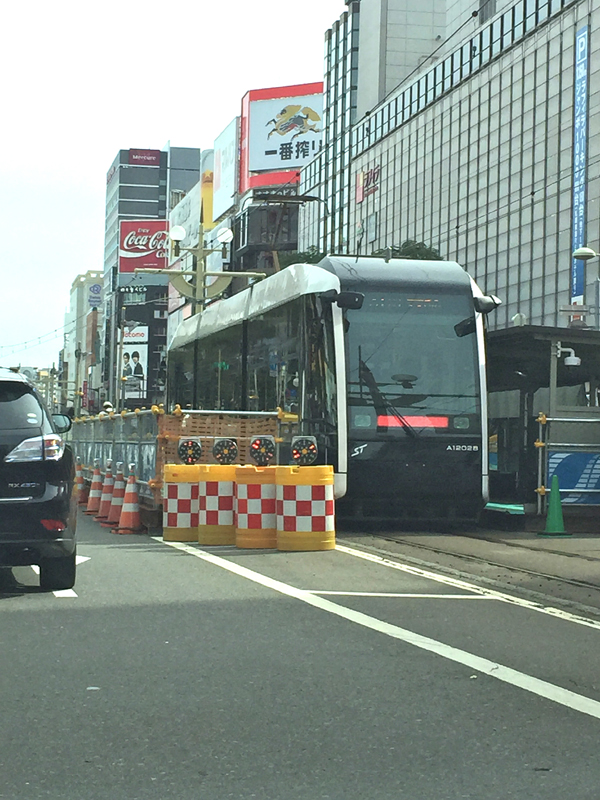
(281, 130)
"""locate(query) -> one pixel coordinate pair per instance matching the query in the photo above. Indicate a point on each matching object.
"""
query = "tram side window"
(319, 410)
(219, 370)
(274, 380)
(291, 362)
(180, 387)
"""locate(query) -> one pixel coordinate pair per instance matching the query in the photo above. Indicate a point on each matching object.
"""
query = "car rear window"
(19, 408)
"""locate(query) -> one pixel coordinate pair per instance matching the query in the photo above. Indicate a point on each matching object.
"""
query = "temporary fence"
(252, 506)
(568, 448)
(151, 438)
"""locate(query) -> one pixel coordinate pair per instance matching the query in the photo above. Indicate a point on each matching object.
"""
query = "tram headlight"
(304, 450)
(461, 423)
(262, 450)
(190, 450)
(225, 451)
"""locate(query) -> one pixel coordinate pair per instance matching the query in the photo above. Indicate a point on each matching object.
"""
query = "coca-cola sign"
(143, 244)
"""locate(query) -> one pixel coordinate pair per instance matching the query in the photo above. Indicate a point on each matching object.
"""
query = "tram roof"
(354, 271)
(289, 284)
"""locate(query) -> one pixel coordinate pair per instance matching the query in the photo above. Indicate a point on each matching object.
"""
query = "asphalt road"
(180, 672)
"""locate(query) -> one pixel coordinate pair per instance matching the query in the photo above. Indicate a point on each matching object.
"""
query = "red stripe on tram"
(390, 421)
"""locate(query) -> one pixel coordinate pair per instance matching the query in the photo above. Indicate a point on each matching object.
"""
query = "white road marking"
(465, 585)
(513, 677)
(406, 594)
(81, 559)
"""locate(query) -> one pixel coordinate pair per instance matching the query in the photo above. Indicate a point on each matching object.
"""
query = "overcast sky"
(80, 81)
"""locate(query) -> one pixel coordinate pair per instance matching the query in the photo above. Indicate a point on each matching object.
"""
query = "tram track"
(512, 567)
(537, 584)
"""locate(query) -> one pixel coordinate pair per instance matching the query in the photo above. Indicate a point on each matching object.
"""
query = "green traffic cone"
(555, 525)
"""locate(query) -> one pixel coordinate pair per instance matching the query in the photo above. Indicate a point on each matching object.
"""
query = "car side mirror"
(62, 422)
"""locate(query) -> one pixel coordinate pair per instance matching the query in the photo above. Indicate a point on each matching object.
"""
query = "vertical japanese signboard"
(580, 123)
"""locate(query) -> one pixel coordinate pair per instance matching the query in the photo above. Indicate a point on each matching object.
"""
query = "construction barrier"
(216, 523)
(95, 494)
(129, 521)
(116, 506)
(305, 508)
(107, 491)
(255, 514)
(180, 510)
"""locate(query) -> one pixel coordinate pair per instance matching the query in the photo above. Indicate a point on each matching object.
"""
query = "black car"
(38, 505)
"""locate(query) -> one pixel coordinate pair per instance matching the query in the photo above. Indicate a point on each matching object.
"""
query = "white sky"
(80, 81)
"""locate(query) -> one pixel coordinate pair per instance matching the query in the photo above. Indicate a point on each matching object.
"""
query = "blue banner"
(580, 125)
(576, 471)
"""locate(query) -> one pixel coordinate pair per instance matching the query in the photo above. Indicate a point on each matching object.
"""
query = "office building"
(141, 185)
(489, 155)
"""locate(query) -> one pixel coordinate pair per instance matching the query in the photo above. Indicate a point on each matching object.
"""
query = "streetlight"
(586, 254)
(197, 289)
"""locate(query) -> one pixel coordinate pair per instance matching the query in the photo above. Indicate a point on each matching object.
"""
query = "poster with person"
(135, 363)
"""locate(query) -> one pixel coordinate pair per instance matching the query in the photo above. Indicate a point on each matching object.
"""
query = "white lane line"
(513, 677)
(465, 585)
(405, 594)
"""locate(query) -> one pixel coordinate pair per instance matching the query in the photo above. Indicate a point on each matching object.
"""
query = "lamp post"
(587, 254)
(77, 400)
(197, 289)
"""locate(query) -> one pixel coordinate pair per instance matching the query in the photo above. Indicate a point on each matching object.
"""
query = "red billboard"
(147, 158)
(143, 244)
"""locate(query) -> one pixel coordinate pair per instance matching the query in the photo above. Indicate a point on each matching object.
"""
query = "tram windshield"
(412, 363)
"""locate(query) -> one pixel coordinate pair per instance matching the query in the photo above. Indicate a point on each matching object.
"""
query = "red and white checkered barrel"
(305, 508)
(216, 523)
(180, 502)
(255, 517)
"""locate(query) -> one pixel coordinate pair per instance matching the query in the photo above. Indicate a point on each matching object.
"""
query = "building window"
(487, 9)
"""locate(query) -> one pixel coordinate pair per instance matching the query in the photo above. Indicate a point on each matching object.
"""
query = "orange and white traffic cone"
(116, 506)
(82, 493)
(95, 495)
(129, 521)
(107, 490)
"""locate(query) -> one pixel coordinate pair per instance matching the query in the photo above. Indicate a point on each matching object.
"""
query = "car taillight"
(53, 524)
(40, 448)
(54, 447)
